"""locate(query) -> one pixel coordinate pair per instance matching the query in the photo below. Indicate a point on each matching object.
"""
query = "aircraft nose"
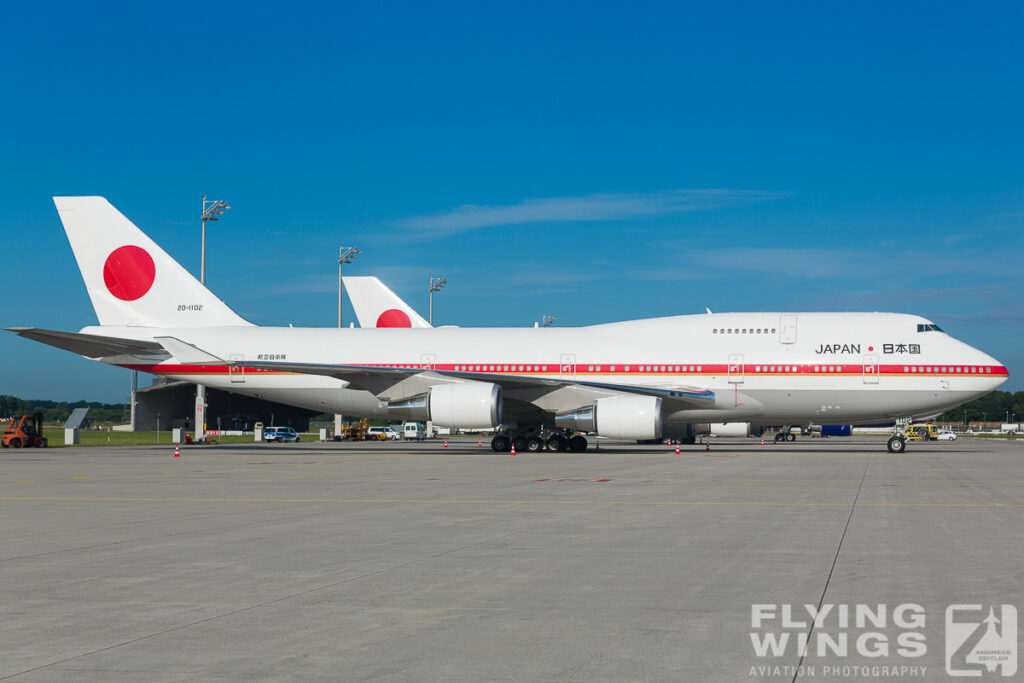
(995, 372)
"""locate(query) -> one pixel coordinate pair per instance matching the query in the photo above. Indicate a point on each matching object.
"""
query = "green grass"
(88, 437)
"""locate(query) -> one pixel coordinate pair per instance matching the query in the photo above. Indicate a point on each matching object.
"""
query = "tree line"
(990, 408)
(58, 411)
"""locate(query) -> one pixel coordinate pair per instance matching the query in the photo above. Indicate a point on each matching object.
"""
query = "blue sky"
(592, 161)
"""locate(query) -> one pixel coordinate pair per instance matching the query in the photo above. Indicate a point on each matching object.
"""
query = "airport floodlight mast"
(435, 286)
(211, 209)
(547, 320)
(345, 255)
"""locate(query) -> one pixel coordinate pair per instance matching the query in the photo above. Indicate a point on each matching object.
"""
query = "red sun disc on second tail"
(393, 318)
(129, 272)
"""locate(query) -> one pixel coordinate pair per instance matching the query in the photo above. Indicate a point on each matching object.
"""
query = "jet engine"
(464, 404)
(617, 417)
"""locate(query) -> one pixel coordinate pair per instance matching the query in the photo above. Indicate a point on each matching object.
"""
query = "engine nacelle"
(470, 404)
(730, 428)
(582, 419)
(629, 417)
(466, 404)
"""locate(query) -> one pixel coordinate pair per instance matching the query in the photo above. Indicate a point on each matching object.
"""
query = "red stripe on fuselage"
(749, 369)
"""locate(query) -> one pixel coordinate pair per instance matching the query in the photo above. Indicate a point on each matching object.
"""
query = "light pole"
(345, 255)
(211, 209)
(435, 286)
(547, 320)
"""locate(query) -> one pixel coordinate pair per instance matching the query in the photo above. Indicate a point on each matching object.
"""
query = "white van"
(414, 430)
(384, 433)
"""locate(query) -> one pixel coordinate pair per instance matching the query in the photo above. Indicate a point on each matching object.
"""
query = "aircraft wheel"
(501, 444)
(520, 443)
(555, 444)
(15, 443)
(535, 444)
(897, 444)
(780, 437)
(578, 444)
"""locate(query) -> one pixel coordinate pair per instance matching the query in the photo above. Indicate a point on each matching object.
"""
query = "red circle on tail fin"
(129, 272)
(393, 318)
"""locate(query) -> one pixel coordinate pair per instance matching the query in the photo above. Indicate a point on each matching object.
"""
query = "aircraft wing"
(89, 345)
(392, 383)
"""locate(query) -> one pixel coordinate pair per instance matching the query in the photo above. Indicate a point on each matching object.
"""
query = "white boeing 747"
(640, 379)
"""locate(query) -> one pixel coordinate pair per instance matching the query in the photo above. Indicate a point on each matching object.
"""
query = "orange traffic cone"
(480, 443)
(513, 448)
(762, 440)
(677, 449)
(177, 452)
(446, 443)
(597, 444)
(707, 448)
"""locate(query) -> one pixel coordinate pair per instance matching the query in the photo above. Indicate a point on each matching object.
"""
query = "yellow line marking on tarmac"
(26, 481)
(77, 499)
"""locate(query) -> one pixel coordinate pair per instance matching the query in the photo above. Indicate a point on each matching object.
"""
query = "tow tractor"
(26, 431)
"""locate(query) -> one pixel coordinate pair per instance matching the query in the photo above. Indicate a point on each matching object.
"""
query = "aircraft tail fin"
(132, 281)
(378, 306)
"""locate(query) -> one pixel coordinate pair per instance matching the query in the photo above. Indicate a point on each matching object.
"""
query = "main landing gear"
(534, 442)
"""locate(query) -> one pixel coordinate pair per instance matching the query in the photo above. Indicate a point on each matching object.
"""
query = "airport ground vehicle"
(414, 431)
(26, 430)
(946, 435)
(280, 434)
(383, 433)
(922, 432)
(359, 431)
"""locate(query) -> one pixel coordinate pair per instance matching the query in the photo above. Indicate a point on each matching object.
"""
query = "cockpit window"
(930, 327)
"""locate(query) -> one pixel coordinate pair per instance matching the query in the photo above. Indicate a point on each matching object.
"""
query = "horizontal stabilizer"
(89, 345)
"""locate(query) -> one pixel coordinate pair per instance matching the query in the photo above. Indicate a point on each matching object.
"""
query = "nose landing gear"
(897, 444)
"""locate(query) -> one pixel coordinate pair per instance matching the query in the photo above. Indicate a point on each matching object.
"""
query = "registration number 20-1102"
(190, 307)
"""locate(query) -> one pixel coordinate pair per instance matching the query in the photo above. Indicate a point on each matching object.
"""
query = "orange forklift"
(26, 431)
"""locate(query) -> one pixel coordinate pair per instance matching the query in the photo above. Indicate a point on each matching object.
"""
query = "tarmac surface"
(398, 561)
